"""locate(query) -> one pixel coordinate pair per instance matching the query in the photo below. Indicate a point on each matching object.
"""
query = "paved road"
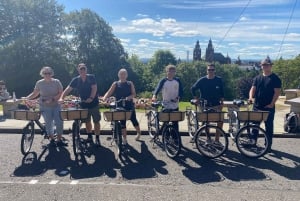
(146, 173)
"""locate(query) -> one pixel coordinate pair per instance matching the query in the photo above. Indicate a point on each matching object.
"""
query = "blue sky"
(250, 29)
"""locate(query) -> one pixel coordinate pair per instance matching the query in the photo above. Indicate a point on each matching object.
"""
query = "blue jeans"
(51, 116)
(269, 124)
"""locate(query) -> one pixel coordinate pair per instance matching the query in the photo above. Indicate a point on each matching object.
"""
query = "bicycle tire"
(152, 123)
(206, 145)
(249, 145)
(117, 136)
(192, 123)
(171, 141)
(76, 138)
(27, 138)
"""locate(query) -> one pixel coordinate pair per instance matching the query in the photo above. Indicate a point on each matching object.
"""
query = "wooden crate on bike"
(252, 115)
(117, 115)
(210, 116)
(26, 115)
(171, 116)
(73, 114)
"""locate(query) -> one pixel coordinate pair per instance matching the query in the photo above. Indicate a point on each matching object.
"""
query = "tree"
(160, 60)
(93, 43)
(31, 39)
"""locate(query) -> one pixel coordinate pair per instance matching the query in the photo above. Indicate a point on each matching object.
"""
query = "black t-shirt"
(210, 90)
(265, 86)
(84, 89)
(123, 90)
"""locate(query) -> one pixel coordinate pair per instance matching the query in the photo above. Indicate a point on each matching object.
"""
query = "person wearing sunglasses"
(4, 94)
(211, 90)
(86, 86)
(49, 89)
(265, 91)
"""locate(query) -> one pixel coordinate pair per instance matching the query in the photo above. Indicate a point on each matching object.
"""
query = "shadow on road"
(137, 165)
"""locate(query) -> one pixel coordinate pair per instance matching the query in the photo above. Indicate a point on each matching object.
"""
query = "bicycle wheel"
(152, 124)
(76, 138)
(192, 123)
(252, 141)
(27, 138)
(211, 141)
(171, 141)
(117, 135)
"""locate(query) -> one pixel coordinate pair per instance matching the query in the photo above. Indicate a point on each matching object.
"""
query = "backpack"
(291, 123)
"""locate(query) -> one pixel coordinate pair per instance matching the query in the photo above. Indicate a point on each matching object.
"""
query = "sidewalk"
(15, 126)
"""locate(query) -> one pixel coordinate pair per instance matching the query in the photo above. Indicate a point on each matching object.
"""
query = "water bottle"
(14, 96)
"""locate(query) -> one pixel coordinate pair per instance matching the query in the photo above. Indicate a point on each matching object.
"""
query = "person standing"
(50, 90)
(211, 90)
(124, 89)
(172, 90)
(265, 91)
(86, 86)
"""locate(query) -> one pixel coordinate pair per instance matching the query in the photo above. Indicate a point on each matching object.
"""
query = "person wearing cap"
(265, 91)
(211, 90)
(86, 86)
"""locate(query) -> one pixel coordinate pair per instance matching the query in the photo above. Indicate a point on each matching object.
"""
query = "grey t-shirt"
(48, 90)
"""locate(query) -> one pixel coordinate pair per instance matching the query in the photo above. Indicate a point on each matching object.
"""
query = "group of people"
(264, 93)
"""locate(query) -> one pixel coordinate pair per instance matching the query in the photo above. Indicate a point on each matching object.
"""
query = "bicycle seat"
(238, 102)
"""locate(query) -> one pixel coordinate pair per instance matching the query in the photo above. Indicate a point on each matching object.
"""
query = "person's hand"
(270, 105)
(153, 99)
(250, 101)
(89, 100)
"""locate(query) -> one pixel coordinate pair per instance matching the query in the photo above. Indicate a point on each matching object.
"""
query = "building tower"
(209, 54)
(197, 52)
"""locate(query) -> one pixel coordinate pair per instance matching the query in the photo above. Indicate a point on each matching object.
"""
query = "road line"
(53, 181)
(33, 181)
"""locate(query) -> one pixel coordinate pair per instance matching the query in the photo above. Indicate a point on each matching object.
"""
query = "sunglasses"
(46, 73)
(82, 68)
(210, 69)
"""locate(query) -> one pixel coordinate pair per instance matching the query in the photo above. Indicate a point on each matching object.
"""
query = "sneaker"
(97, 141)
(89, 138)
(137, 137)
(60, 143)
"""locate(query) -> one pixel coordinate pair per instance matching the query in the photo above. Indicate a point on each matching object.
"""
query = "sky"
(248, 29)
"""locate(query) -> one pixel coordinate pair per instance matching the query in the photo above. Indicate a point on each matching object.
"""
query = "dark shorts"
(93, 113)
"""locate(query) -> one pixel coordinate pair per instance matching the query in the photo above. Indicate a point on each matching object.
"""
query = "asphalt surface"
(144, 172)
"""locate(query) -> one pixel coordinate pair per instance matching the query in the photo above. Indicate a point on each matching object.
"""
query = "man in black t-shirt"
(86, 86)
(265, 90)
(211, 90)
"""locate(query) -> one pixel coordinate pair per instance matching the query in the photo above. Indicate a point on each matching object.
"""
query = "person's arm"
(93, 93)
(194, 88)
(33, 94)
(65, 93)
(157, 89)
(275, 98)
(180, 92)
(110, 91)
(251, 94)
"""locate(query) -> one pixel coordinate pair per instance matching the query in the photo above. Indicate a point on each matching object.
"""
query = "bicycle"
(117, 114)
(171, 138)
(203, 137)
(75, 114)
(29, 112)
(192, 121)
(251, 140)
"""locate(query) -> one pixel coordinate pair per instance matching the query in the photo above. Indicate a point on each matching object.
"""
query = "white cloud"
(123, 19)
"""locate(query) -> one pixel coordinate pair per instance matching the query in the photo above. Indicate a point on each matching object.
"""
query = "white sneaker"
(137, 137)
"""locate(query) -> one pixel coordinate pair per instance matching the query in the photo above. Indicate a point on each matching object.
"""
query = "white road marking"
(34, 181)
(53, 181)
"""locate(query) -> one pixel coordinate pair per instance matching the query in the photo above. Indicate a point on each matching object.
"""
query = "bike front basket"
(26, 115)
(210, 116)
(72, 114)
(171, 116)
(117, 115)
(252, 115)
